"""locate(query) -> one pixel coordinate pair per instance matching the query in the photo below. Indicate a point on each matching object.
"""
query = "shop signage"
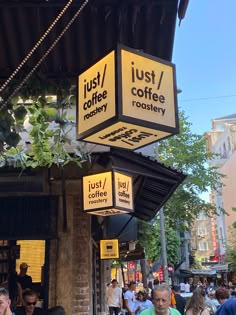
(127, 100)
(109, 249)
(108, 193)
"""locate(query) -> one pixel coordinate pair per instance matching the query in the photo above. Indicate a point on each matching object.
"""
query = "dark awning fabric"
(145, 25)
(153, 183)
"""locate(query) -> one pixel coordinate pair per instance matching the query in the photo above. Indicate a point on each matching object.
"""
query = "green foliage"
(231, 250)
(187, 153)
(151, 240)
(48, 127)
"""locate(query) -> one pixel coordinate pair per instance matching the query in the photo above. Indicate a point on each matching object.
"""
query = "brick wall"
(70, 257)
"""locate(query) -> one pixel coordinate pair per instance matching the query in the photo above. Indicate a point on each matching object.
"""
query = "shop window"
(33, 253)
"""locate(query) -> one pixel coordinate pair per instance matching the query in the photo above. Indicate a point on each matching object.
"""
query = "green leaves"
(48, 127)
(150, 239)
(187, 153)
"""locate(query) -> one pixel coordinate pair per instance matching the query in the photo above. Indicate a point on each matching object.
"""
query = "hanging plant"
(48, 128)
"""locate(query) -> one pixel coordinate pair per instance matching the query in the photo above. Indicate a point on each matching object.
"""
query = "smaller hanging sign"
(109, 249)
(108, 193)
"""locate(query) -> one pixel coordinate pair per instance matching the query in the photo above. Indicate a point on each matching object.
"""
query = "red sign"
(131, 265)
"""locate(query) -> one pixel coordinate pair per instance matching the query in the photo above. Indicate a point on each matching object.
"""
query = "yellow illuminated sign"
(97, 191)
(127, 136)
(109, 249)
(96, 94)
(128, 100)
(107, 193)
(147, 89)
(123, 191)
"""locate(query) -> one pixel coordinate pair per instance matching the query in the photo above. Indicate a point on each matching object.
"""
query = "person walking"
(227, 308)
(142, 302)
(180, 301)
(129, 299)
(114, 298)
(161, 302)
(196, 305)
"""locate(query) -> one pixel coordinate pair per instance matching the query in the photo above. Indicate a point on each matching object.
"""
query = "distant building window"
(203, 245)
(202, 231)
(201, 216)
(220, 126)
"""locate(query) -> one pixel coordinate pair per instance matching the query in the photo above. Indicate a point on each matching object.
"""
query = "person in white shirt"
(187, 287)
(114, 298)
(182, 287)
(129, 299)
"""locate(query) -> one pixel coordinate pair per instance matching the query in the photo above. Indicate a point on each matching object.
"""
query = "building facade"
(221, 140)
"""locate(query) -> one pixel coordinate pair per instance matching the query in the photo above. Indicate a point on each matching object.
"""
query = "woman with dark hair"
(196, 305)
(142, 302)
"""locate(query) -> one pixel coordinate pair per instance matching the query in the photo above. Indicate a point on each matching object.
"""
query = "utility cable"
(4, 105)
(35, 46)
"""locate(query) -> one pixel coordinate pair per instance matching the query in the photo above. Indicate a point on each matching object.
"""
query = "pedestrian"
(14, 289)
(196, 304)
(222, 294)
(161, 302)
(24, 280)
(129, 299)
(114, 298)
(227, 308)
(5, 302)
(29, 305)
(180, 301)
(142, 302)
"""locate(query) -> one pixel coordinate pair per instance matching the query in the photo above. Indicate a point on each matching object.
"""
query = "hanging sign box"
(128, 99)
(109, 249)
(107, 193)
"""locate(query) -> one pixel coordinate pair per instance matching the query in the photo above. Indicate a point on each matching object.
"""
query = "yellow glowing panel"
(97, 191)
(109, 249)
(96, 94)
(127, 136)
(123, 191)
(148, 89)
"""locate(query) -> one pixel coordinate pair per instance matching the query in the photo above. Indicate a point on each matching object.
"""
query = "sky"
(205, 58)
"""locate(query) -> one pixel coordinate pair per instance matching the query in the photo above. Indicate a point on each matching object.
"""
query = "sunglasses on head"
(31, 303)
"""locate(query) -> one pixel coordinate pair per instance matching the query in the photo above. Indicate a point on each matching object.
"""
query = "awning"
(143, 25)
(220, 267)
(205, 272)
(153, 183)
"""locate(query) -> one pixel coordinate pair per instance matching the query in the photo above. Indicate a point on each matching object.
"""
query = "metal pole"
(163, 246)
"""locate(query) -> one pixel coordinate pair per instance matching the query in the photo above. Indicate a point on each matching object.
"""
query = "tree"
(187, 153)
(151, 241)
(231, 250)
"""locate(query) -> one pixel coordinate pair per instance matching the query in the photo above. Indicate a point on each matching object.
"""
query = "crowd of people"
(166, 300)
(17, 296)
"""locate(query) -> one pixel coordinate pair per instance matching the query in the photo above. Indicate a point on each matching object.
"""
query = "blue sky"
(205, 58)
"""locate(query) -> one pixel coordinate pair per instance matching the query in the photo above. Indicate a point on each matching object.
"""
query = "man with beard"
(161, 302)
